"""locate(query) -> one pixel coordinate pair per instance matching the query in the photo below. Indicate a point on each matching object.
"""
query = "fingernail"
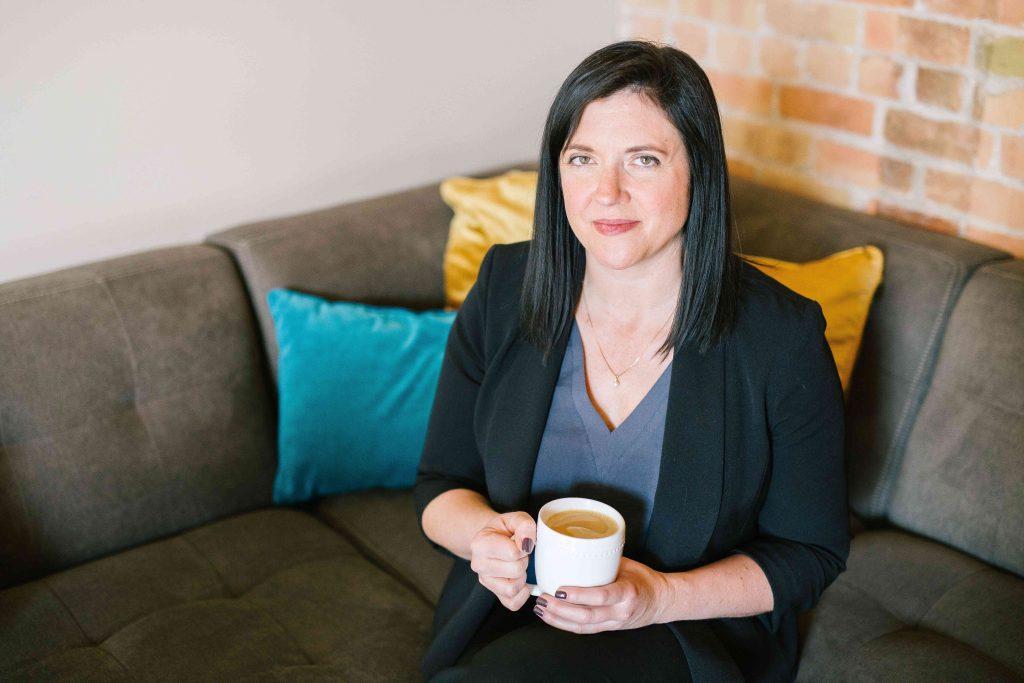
(542, 602)
(538, 611)
(560, 595)
(527, 545)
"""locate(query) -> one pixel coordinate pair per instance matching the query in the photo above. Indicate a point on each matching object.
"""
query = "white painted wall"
(130, 125)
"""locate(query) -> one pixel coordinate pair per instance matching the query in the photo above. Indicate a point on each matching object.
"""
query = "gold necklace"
(615, 382)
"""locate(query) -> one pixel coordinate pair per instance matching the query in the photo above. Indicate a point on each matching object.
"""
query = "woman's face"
(626, 161)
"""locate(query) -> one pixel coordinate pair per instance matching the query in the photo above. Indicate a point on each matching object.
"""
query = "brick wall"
(913, 109)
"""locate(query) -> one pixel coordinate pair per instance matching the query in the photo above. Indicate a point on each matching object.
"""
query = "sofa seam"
(277, 622)
(946, 592)
(223, 584)
(377, 559)
(136, 406)
(891, 466)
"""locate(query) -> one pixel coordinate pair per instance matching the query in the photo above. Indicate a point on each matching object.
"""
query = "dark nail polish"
(538, 611)
(560, 595)
(542, 602)
(527, 545)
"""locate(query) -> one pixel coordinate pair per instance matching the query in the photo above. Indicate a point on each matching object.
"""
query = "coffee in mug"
(579, 543)
(582, 523)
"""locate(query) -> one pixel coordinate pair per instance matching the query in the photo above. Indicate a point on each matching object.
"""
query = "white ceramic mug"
(561, 560)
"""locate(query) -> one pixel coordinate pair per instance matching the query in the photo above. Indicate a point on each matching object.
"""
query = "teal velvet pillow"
(355, 387)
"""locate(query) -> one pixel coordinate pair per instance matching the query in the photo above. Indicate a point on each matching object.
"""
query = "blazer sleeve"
(450, 458)
(803, 536)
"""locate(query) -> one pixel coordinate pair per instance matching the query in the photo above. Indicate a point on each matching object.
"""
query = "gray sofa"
(137, 452)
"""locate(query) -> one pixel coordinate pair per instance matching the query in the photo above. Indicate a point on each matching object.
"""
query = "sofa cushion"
(273, 593)
(134, 403)
(383, 525)
(924, 273)
(386, 251)
(910, 609)
(961, 481)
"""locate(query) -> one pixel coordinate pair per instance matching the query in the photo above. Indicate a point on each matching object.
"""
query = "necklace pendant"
(615, 382)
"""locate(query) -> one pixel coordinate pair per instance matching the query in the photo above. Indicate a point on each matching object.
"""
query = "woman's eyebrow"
(636, 148)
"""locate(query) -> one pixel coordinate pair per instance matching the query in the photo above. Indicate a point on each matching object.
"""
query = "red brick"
(952, 189)
(1013, 243)
(880, 31)
(915, 218)
(833, 22)
(941, 88)
(933, 41)
(968, 9)
(828, 64)
(826, 109)
(1012, 153)
(749, 94)
(896, 175)
(880, 76)
(804, 184)
(766, 142)
(779, 58)
(986, 144)
(998, 203)
(741, 13)
(947, 139)
(741, 169)
(1010, 12)
(691, 38)
(848, 163)
(1003, 109)
(733, 50)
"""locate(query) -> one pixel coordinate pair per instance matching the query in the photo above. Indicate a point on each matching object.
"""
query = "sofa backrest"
(134, 403)
(924, 274)
(962, 481)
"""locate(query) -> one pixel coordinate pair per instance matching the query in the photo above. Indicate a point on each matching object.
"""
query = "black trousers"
(519, 646)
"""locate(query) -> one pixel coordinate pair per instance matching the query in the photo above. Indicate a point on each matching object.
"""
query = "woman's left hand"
(634, 600)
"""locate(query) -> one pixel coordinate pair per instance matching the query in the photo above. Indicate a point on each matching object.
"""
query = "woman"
(629, 314)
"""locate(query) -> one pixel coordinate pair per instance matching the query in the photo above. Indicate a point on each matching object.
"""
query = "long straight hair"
(557, 260)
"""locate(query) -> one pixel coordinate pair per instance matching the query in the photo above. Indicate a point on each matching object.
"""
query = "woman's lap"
(519, 646)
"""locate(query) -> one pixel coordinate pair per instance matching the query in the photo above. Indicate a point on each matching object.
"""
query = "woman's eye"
(577, 156)
(653, 161)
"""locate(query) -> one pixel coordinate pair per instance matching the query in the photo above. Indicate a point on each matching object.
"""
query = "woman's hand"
(500, 554)
(634, 600)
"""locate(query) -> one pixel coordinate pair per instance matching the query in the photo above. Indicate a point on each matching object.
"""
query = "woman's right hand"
(500, 553)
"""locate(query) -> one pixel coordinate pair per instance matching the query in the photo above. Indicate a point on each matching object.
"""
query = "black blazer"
(752, 460)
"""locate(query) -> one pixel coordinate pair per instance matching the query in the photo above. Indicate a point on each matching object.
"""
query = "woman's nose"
(609, 185)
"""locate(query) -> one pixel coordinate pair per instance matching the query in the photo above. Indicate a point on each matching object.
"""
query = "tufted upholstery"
(134, 403)
(965, 452)
(268, 595)
(908, 609)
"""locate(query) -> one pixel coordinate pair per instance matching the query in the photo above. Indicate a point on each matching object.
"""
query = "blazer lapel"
(519, 418)
(689, 492)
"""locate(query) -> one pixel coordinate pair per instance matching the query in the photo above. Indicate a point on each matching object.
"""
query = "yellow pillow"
(843, 284)
(488, 211)
(499, 210)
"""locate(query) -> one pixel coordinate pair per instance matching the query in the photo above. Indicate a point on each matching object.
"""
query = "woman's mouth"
(614, 227)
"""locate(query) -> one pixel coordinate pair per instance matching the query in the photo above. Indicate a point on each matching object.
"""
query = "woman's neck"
(635, 297)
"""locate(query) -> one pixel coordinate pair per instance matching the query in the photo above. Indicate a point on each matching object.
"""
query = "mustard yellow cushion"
(843, 284)
(488, 211)
(499, 210)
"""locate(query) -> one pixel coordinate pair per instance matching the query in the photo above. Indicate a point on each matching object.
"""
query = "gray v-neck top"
(580, 456)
